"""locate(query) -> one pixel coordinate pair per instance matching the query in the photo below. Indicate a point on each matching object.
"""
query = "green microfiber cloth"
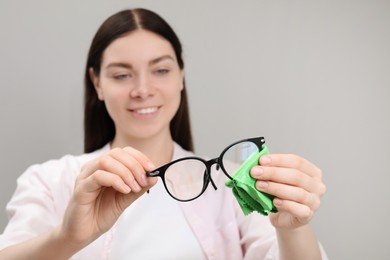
(243, 187)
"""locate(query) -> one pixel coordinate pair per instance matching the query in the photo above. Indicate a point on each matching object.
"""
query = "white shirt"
(154, 223)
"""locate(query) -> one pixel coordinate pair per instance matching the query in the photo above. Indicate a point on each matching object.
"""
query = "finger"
(135, 167)
(291, 193)
(89, 168)
(146, 163)
(302, 212)
(291, 161)
(104, 179)
(289, 176)
(110, 164)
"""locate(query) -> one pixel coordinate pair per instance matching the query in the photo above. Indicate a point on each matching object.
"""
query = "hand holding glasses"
(185, 179)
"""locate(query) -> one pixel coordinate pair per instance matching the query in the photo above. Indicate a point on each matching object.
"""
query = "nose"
(142, 88)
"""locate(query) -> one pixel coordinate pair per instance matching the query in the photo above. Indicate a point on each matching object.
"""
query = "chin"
(146, 132)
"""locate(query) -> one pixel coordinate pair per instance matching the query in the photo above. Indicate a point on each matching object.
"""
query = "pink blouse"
(215, 218)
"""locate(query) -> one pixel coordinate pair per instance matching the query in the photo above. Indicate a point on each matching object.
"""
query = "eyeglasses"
(185, 179)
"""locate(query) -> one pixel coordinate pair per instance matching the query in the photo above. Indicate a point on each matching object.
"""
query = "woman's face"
(140, 83)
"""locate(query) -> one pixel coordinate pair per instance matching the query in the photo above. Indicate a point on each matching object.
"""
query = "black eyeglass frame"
(160, 172)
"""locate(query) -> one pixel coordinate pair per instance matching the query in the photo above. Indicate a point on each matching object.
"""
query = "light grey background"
(313, 77)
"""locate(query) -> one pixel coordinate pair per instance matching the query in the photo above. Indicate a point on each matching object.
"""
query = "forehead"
(137, 46)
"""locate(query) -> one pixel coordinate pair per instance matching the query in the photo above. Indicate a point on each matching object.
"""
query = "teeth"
(147, 110)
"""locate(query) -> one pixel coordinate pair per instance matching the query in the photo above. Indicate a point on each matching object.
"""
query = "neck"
(158, 149)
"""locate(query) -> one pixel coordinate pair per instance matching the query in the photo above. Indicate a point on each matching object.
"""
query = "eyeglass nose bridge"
(210, 163)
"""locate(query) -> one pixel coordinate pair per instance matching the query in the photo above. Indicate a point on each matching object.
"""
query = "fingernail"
(143, 180)
(257, 171)
(277, 202)
(262, 184)
(126, 188)
(135, 186)
(265, 160)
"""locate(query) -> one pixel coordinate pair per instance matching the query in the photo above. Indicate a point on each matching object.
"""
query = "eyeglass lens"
(237, 155)
(186, 179)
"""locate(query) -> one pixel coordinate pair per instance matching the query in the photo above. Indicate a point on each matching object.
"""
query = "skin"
(138, 73)
(297, 186)
(140, 82)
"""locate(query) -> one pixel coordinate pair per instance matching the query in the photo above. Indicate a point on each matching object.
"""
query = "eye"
(121, 76)
(162, 71)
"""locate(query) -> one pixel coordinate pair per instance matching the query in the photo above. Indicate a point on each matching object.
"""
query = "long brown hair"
(99, 128)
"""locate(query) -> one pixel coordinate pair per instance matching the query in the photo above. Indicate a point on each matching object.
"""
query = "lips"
(144, 110)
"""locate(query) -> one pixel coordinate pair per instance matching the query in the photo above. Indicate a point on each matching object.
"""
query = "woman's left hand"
(296, 184)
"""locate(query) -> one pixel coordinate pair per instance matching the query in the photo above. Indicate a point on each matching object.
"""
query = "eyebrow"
(129, 66)
(119, 64)
(164, 57)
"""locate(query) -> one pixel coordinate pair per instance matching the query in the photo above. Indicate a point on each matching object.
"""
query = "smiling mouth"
(145, 111)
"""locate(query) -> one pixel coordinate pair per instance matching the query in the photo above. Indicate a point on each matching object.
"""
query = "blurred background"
(312, 77)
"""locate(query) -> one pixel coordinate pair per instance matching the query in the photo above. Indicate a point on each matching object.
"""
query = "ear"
(95, 81)
(182, 79)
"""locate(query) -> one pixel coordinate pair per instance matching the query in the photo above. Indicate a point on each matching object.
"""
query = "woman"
(95, 206)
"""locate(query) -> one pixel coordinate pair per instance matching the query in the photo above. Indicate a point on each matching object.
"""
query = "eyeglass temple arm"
(153, 173)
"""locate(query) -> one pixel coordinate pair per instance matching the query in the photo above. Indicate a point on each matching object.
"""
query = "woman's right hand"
(105, 187)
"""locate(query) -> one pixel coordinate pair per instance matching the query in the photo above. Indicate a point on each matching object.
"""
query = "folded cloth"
(243, 187)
